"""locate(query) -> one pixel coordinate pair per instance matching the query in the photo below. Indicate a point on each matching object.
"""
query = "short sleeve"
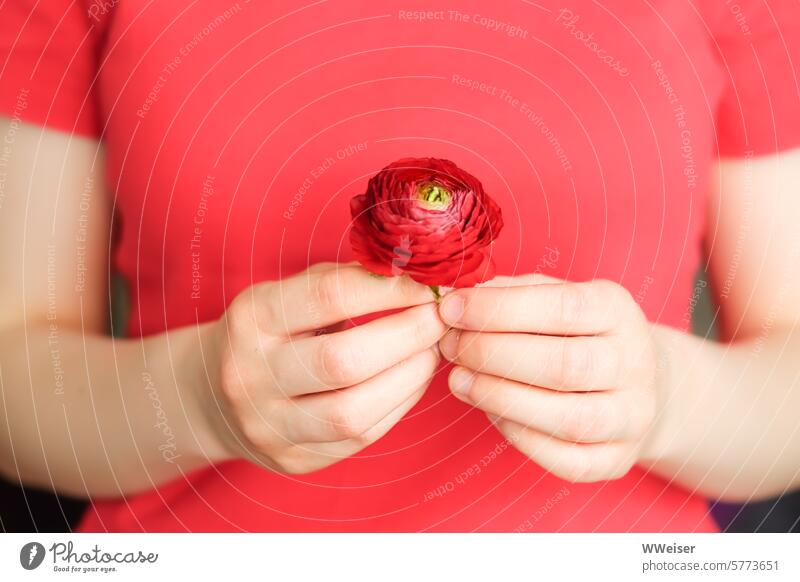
(48, 64)
(758, 42)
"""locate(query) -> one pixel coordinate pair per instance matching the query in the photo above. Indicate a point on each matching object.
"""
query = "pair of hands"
(566, 371)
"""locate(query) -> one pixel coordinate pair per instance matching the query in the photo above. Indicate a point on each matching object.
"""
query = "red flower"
(426, 218)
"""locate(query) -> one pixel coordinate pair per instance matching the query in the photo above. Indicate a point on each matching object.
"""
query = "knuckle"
(617, 471)
(615, 295)
(367, 437)
(240, 316)
(650, 414)
(572, 302)
(296, 468)
(576, 423)
(322, 266)
(576, 467)
(641, 416)
(586, 466)
(616, 464)
(593, 418)
(231, 383)
(337, 362)
(609, 288)
(588, 418)
(328, 295)
(604, 418)
(578, 362)
(292, 461)
(610, 363)
(624, 296)
(347, 421)
(256, 435)
(272, 308)
(644, 365)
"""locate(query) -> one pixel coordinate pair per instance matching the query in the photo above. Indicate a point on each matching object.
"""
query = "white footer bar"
(401, 557)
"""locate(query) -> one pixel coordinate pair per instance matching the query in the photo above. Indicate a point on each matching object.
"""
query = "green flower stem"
(435, 289)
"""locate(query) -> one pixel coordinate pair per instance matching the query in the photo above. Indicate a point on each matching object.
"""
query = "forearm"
(729, 424)
(88, 415)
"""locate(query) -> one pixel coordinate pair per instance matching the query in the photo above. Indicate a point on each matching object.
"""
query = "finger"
(319, 298)
(306, 457)
(329, 266)
(349, 357)
(342, 325)
(573, 462)
(349, 413)
(520, 280)
(558, 363)
(587, 308)
(587, 418)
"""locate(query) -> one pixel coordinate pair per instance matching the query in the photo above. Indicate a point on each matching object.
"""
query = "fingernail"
(460, 380)
(448, 345)
(452, 308)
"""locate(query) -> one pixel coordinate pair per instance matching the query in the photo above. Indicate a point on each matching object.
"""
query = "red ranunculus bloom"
(426, 218)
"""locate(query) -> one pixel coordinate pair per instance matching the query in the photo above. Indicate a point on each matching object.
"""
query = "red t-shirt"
(237, 132)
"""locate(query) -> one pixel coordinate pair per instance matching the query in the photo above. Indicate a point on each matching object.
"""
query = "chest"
(241, 130)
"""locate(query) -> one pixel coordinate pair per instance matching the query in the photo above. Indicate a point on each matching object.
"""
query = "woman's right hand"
(294, 390)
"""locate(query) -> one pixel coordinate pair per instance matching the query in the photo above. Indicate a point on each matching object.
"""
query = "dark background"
(25, 509)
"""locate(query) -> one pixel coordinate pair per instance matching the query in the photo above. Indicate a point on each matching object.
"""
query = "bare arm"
(730, 425)
(80, 412)
(582, 383)
(88, 415)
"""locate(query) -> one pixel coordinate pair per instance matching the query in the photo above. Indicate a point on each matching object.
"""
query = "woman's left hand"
(566, 371)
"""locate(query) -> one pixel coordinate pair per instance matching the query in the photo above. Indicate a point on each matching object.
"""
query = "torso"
(237, 133)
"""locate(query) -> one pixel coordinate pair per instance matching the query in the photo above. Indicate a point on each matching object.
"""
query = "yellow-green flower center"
(435, 196)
